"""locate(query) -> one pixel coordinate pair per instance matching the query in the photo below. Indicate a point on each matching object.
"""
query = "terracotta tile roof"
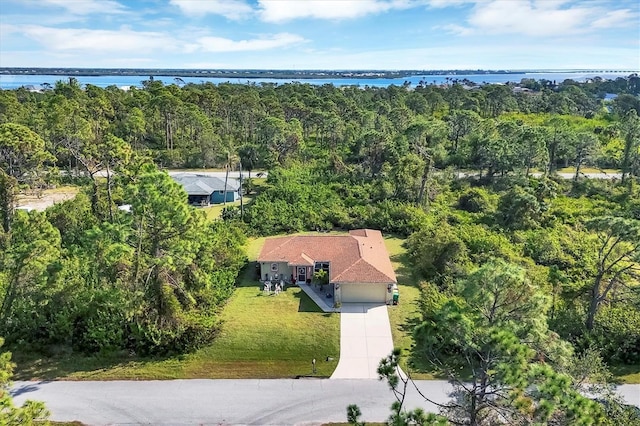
(360, 256)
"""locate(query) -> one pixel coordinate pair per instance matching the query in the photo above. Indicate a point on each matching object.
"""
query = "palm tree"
(231, 159)
(249, 157)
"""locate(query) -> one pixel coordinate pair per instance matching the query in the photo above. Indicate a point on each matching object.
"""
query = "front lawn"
(214, 211)
(263, 336)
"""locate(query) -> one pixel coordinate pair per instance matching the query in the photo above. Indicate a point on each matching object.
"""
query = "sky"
(332, 35)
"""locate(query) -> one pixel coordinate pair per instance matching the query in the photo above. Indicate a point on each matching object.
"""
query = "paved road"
(567, 176)
(225, 402)
(234, 174)
(365, 338)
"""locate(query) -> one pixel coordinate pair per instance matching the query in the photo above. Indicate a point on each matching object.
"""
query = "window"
(274, 267)
(324, 266)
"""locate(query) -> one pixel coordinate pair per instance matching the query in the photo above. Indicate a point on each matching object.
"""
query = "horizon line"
(496, 70)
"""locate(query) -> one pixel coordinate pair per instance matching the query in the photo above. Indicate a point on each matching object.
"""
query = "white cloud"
(456, 29)
(616, 18)
(230, 9)
(86, 7)
(281, 11)
(448, 3)
(126, 40)
(538, 18)
(87, 40)
(219, 44)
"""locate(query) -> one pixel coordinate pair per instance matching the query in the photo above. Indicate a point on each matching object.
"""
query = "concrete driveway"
(365, 338)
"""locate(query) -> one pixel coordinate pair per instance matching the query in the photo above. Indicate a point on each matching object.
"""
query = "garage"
(363, 293)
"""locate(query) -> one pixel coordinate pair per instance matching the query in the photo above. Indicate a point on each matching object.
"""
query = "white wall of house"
(281, 269)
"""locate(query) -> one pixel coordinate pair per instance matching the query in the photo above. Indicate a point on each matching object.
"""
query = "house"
(358, 264)
(204, 190)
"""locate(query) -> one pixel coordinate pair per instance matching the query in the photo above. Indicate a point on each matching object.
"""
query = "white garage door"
(364, 293)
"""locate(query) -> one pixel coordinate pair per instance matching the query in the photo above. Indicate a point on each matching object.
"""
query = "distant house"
(519, 89)
(205, 190)
(358, 264)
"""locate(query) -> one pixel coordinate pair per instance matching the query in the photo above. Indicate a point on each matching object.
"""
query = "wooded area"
(520, 266)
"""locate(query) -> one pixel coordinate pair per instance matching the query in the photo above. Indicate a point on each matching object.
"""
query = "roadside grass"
(262, 336)
(629, 374)
(588, 170)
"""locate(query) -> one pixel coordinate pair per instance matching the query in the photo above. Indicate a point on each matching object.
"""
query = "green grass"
(262, 336)
(629, 374)
(588, 170)
(215, 211)
(405, 315)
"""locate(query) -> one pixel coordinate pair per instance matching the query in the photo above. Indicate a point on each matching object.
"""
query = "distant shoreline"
(275, 74)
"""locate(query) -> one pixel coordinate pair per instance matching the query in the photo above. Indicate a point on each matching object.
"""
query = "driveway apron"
(365, 338)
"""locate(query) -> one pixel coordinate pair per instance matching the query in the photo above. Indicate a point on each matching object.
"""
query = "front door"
(302, 274)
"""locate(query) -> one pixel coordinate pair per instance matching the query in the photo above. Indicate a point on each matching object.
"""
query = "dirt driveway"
(48, 198)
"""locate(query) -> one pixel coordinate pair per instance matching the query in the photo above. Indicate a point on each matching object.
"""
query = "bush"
(616, 333)
(101, 326)
(475, 200)
(438, 254)
(188, 332)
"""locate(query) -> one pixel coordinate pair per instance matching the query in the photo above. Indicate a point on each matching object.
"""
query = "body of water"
(14, 81)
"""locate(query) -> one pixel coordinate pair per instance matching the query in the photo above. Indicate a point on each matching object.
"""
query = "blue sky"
(309, 34)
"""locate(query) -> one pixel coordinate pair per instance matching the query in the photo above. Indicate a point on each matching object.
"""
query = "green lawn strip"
(588, 170)
(215, 210)
(629, 374)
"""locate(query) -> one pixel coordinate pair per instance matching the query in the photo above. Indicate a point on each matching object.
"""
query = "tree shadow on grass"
(248, 276)
(404, 272)
(306, 304)
(38, 366)
(416, 361)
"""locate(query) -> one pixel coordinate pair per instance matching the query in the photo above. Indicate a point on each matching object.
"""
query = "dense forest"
(520, 265)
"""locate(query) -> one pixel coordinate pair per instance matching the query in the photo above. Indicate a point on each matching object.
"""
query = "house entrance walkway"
(365, 338)
(324, 303)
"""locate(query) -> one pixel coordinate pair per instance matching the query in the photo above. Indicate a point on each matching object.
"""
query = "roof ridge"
(347, 269)
(358, 243)
(362, 240)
